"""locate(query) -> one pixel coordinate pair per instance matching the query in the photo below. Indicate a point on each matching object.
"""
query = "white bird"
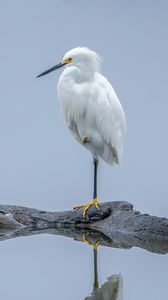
(92, 109)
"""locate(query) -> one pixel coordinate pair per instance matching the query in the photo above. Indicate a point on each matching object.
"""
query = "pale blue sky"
(41, 165)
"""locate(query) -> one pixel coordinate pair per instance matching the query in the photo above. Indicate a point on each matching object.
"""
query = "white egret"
(92, 110)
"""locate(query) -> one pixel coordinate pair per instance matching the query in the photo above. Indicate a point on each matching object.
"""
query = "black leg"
(96, 283)
(95, 161)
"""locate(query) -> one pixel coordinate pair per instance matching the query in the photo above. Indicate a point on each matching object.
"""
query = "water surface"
(46, 266)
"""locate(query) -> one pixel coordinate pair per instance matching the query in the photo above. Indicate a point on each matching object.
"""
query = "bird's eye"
(68, 60)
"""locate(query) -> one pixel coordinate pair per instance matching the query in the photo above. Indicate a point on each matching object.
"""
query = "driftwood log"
(116, 225)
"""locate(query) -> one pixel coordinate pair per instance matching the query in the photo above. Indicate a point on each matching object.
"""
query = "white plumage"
(93, 112)
(91, 107)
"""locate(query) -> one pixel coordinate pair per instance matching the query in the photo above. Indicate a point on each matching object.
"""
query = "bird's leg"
(96, 282)
(95, 200)
(95, 162)
(95, 250)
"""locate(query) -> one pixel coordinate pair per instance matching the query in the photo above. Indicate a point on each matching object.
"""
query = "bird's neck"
(79, 73)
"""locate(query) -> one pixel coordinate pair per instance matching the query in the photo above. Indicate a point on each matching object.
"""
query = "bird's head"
(81, 57)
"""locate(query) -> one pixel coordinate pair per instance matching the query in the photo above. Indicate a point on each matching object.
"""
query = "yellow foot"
(87, 206)
(94, 245)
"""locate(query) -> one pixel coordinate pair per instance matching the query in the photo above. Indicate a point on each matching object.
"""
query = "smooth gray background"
(43, 167)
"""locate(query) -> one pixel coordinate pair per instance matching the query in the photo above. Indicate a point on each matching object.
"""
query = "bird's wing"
(74, 130)
(110, 117)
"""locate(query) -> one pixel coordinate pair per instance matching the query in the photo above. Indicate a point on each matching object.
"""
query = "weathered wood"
(116, 225)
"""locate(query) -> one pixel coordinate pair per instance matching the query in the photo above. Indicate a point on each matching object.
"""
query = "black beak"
(51, 69)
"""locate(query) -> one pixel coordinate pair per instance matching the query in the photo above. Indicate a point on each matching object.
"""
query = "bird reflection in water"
(112, 289)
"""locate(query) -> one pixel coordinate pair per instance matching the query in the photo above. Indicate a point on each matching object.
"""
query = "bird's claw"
(94, 245)
(85, 140)
(87, 206)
